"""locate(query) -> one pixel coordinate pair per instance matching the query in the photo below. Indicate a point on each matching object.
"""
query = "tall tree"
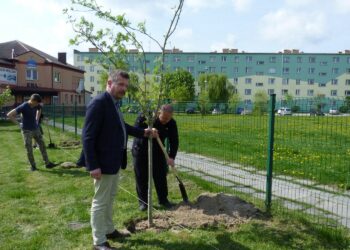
(112, 43)
(6, 96)
(180, 86)
(218, 87)
(260, 102)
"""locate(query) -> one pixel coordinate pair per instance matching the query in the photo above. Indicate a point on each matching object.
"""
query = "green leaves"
(6, 96)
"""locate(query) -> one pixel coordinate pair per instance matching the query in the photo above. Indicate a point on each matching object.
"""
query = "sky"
(205, 25)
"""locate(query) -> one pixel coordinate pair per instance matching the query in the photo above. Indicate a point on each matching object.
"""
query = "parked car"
(314, 112)
(216, 111)
(190, 111)
(284, 111)
(246, 112)
(333, 111)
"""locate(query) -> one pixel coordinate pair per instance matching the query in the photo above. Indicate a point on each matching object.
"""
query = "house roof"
(21, 48)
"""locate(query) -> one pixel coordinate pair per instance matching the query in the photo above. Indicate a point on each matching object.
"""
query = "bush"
(295, 109)
(343, 109)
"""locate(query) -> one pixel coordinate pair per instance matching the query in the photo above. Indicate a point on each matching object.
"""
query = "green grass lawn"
(37, 210)
(315, 148)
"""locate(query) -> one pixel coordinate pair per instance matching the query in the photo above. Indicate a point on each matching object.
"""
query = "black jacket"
(103, 137)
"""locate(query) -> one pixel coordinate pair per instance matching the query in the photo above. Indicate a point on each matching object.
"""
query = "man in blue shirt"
(30, 128)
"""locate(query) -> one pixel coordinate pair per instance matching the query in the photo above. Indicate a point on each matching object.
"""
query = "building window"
(322, 84)
(336, 59)
(235, 69)
(249, 59)
(236, 59)
(212, 59)
(311, 70)
(297, 92)
(323, 63)
(260, 62)
(190, 59)
(56, 77)
(285, 81)
(348, 70)
(248, 80)
(348, 60)
(285, 70)
(272, 59)
(79, 58)
(92, 68)
(272, 70)
(32, 74)
(248, 70)
(335, 70)
(311, 81)
(259, 73)
(190, 69)
(284, 92)
(299, 59)
(322, 73)
(201, 62)
(224, 58)
(259, 84)
(347, 82)
(286, 59)
(271, 80)
(312, 59)
(310, 92)
(297, 81)
(334, 81)
(92, 78)
(270, 91)
(298, 70)
(223, 69)
(212, 69)
(334, 92)
(247, 91)
(177, 59)
(92, 89)
(247, 101)
(347, 92)
(235, 80)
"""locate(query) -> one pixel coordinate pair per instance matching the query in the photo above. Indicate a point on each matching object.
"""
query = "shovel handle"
(165, 152)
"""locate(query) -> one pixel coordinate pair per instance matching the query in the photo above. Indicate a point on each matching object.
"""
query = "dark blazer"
(103, 138)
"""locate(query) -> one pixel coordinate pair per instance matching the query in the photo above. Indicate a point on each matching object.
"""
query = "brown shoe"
(117, 235)
(103, 246)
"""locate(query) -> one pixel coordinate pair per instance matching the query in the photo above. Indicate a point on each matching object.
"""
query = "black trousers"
(140, 160)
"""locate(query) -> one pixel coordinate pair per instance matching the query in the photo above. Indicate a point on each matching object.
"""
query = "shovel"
(181, 185)
(51, 144)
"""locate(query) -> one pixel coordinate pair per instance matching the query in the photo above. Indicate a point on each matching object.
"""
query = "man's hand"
(151, 133)
(96, 173)
(171, 162)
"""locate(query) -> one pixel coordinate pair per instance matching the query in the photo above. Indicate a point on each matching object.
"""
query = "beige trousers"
(102, 207)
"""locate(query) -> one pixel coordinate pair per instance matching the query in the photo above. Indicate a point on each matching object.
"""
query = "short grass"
(37, 209)
(315, 148)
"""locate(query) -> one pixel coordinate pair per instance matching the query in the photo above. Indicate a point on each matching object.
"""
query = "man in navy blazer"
(104, 145)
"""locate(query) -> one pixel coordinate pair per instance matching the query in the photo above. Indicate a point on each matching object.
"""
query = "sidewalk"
(292, 193)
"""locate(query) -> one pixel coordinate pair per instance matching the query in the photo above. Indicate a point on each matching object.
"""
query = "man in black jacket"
(104, 145)
(167, 128)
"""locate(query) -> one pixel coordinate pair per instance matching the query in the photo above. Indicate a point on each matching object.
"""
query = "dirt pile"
(210, 210)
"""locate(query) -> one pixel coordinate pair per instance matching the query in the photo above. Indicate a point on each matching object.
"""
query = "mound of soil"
(69, 144)
(210, 210)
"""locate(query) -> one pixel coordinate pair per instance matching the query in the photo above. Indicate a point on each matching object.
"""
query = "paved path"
(295, 194)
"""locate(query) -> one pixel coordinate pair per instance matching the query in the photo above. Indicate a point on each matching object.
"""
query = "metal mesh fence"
(227, 147)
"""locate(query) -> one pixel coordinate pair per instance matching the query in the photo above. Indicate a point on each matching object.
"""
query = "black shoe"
(167, 204)
(143, 207)
(33, 168)
(51, 165)
(103, 246)
(117, 235)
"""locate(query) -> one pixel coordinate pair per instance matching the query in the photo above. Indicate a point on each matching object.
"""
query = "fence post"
(63, 117)
(269, 163)
(54, 114)
(75, 120)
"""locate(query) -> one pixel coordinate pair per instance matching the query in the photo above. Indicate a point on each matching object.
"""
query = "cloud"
(185, 33)
(293, 29)
(342, 6)
(242, 5)
(196, 5)
(301, 3)
(229, 42)
(42, 6)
